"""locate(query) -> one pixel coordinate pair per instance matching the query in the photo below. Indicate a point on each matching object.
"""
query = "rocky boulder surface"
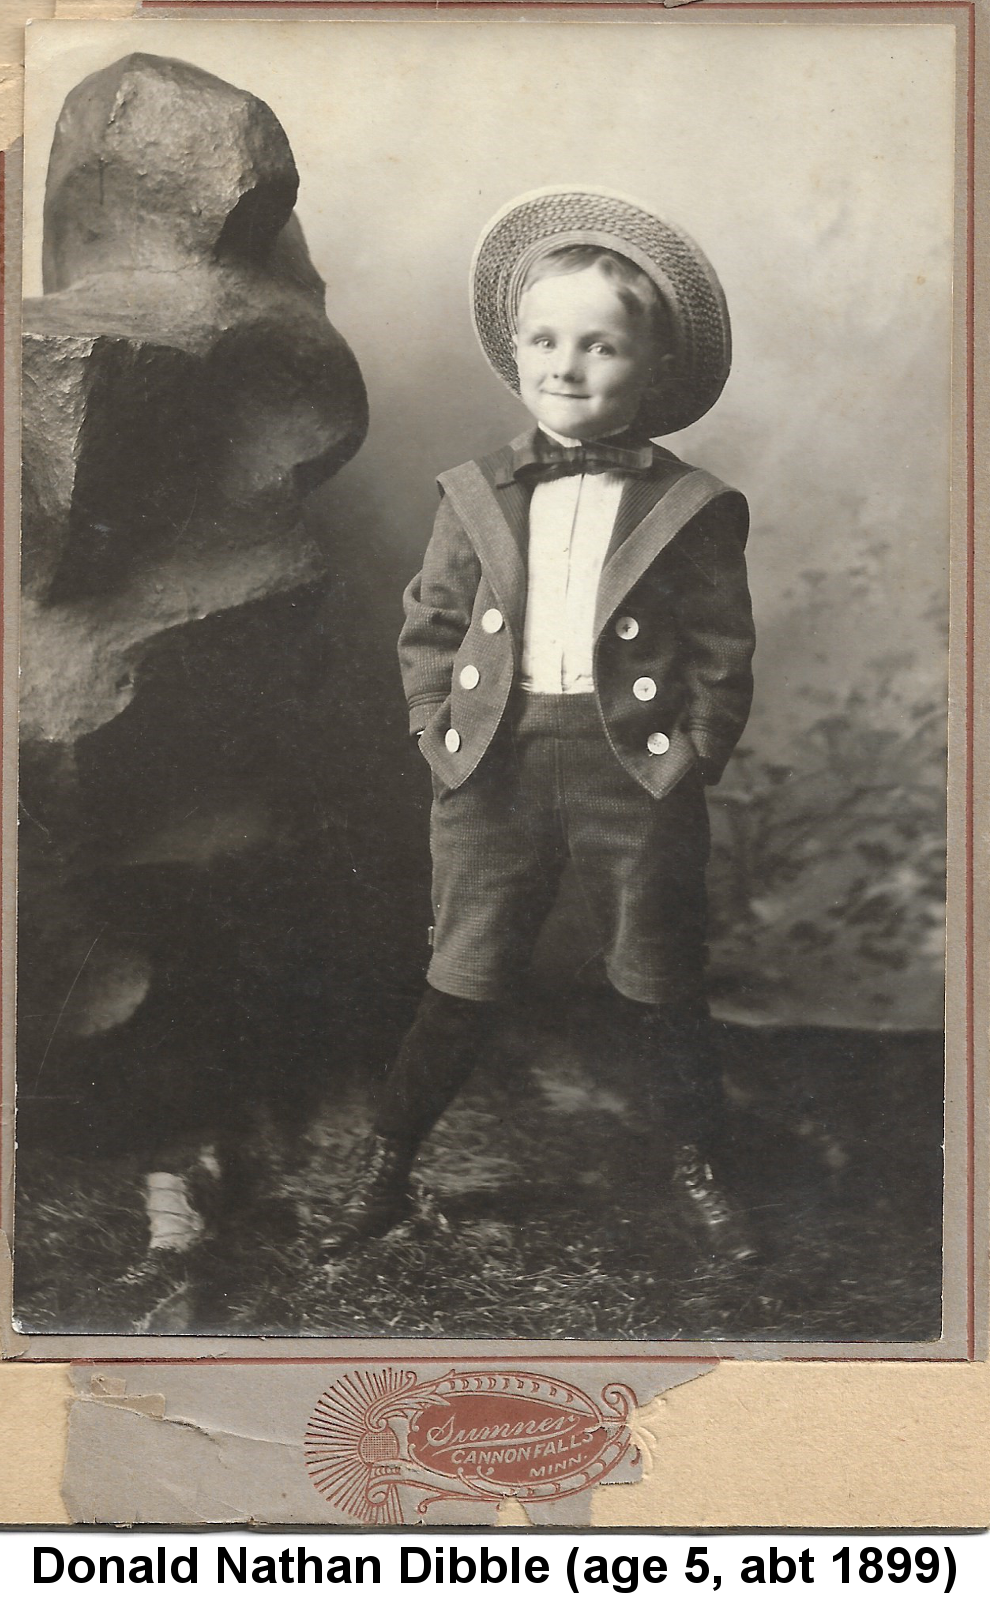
(183, 392)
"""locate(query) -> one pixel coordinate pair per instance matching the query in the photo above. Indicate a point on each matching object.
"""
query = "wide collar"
(639, 494)
(494, 508)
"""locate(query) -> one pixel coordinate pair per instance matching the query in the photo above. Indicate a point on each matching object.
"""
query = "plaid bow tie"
(545, 459)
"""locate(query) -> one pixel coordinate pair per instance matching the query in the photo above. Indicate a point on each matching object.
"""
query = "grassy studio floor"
(540, 1209)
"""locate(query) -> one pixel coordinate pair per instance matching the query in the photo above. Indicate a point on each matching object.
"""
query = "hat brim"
(685, 280)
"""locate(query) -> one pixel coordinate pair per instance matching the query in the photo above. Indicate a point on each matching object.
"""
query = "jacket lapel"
(493, 508)
(640, 536)
(496, 521)
(639, 495)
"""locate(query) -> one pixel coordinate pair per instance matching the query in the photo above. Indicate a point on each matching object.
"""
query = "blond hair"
(634, 288)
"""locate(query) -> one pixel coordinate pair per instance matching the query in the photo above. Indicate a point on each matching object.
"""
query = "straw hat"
(568, 215)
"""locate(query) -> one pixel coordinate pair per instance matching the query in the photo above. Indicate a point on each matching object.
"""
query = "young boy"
(576, 659)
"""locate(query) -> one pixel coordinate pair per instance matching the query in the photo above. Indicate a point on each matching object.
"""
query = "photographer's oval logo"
(480, 1435)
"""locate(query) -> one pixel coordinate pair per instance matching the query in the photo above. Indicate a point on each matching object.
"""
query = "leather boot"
(705, 1205)
(380, 1199)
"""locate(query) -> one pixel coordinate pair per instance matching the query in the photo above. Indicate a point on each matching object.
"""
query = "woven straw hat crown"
(564, 215)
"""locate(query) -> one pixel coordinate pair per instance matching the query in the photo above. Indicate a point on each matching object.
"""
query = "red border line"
(465, 1362)
(4, 1181)
(970, 924)
(658, 7)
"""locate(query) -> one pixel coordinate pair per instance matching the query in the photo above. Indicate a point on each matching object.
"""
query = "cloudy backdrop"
(814, 164)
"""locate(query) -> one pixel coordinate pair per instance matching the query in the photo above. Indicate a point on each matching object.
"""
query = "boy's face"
(584, 361)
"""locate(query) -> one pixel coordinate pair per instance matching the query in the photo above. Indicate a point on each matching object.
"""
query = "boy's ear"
(663, 367)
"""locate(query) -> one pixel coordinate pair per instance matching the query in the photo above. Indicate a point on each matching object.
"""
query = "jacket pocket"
(433, 748)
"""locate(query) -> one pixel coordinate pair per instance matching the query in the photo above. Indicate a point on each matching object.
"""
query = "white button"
(469, 677)
(627, 627)
(658, 742)
(452, 741)
(492, 622)
(645, 689)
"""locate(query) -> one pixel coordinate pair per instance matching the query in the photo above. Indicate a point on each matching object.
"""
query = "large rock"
(157, 165)
(183, 392)
(183, 389)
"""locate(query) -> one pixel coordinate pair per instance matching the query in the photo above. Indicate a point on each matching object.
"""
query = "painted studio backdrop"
(237, 874)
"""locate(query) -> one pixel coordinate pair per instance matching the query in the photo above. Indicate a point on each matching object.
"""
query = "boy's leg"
(435, 1058)
(496, 861)
(678, 1080)
(641, 866)
(672, 1053)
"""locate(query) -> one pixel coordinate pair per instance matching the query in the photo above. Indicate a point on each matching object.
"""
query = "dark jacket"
(673, 610)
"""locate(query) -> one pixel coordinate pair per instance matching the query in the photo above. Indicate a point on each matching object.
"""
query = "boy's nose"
(568, 364)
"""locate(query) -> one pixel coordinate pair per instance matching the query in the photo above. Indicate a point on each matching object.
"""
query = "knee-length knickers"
(551, 793)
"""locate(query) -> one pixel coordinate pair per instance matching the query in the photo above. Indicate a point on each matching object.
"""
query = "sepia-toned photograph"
(484, 662)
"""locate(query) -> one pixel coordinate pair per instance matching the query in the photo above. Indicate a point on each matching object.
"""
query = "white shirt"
(570, 526)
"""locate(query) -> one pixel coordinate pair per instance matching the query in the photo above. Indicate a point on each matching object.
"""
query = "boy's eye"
(601, 349)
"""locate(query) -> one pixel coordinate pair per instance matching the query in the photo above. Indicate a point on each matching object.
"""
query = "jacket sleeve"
(438, 605)
(715, 621)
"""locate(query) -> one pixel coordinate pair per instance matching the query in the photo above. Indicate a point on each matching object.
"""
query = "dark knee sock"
(676, 1070)
(435, 1059)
